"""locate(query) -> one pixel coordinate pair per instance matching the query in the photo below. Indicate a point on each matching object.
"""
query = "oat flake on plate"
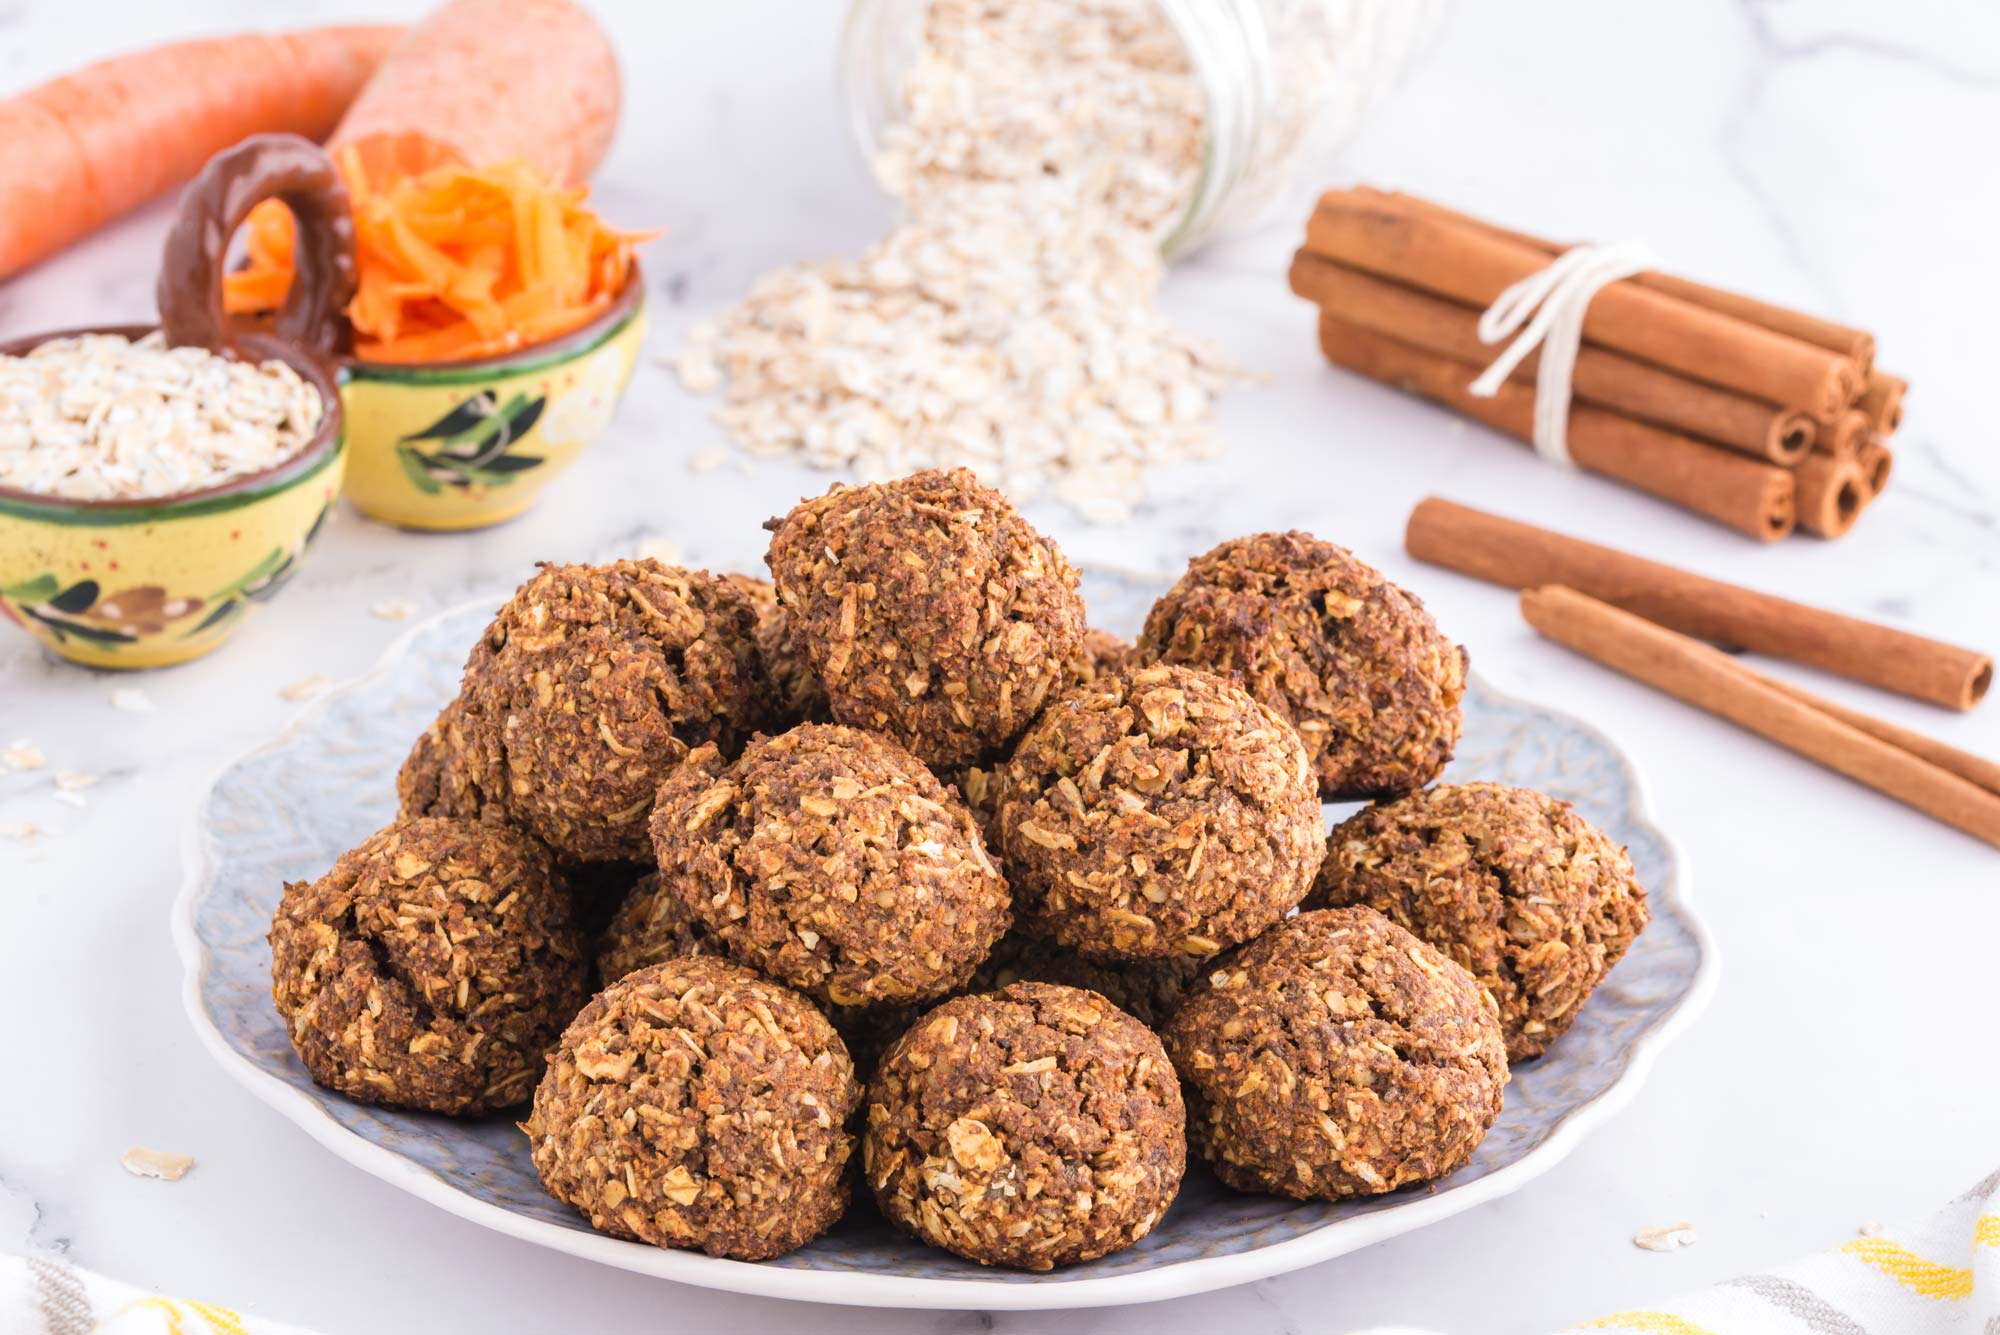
(1007, 322)
(1667, 1238)
(162, 1164)
(23, 755)
(100, 417)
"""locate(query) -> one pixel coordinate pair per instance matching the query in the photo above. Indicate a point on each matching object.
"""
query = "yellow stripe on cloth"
(1986, 1233)
(1911, 1270)
(169, 1310)
(1647, 1323)
(220, 1319)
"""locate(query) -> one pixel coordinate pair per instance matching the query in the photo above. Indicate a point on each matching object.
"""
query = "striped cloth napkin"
(43, 1294)
(1940, 1276)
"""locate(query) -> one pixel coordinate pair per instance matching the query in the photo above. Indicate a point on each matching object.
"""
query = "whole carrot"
(480, 82)
(80, 150)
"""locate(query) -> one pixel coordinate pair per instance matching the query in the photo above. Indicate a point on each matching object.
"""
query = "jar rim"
(1228, 48)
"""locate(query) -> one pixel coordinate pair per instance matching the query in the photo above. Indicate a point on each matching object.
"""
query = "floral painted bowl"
(455, 445)
(145, 583)
(157, 580)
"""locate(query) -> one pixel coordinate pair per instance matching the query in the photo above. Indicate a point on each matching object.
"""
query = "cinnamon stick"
(1601, 377)
(1844, 435)
(1748, 496)
(1877, 461)
(1967, 766)
(1858, 345)
(1831, 495)
(1882, 400)
(1710, 680)
(1388, 238)
(1520, 556)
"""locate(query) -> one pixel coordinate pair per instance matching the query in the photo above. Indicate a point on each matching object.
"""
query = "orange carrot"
(78, 151)
(455, 263)
(486, 81)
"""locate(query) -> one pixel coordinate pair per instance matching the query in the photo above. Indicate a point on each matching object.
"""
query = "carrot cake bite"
(588, 689)
(430, 968)
(693, 1104)
(1532, 898)
(1031, 1127)
(1351, 660)
(1337, 1056)
(931, 611)
(1157, 812)
(832, 860)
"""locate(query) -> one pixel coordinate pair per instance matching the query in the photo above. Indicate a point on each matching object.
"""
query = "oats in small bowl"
(150, 495)
(156, 480)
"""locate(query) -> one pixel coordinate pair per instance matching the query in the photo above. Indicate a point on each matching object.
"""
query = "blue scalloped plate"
(289, 808)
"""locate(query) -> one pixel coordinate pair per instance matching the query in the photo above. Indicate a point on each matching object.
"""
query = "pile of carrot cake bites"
(892, 872)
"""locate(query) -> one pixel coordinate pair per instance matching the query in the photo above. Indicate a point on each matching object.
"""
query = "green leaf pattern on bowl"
(111, 619)
(472, 445)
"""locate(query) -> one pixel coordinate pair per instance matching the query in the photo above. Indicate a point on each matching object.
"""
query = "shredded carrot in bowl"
(455, 263)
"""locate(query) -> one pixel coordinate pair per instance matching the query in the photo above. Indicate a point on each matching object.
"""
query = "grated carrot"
(455, 263)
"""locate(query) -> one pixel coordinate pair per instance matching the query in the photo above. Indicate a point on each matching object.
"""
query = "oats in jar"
(1007, 322)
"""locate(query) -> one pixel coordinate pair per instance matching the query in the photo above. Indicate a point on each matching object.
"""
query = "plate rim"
(1173, 1279)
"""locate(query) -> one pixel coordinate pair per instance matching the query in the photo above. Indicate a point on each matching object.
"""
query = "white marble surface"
(1831, 154)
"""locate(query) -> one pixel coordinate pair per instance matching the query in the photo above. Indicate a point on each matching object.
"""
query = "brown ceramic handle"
(265, 166)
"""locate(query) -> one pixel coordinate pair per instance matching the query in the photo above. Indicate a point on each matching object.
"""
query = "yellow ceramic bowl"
(465, 444)
(145, 583)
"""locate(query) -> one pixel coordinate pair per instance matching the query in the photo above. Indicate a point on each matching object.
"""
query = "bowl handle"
(284, 167)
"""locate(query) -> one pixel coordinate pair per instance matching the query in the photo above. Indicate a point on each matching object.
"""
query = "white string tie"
(1547, 309)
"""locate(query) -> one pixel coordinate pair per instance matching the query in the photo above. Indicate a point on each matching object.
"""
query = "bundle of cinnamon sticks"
(1762, 418)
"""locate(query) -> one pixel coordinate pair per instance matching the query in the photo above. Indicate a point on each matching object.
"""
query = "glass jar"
(1284, 84)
